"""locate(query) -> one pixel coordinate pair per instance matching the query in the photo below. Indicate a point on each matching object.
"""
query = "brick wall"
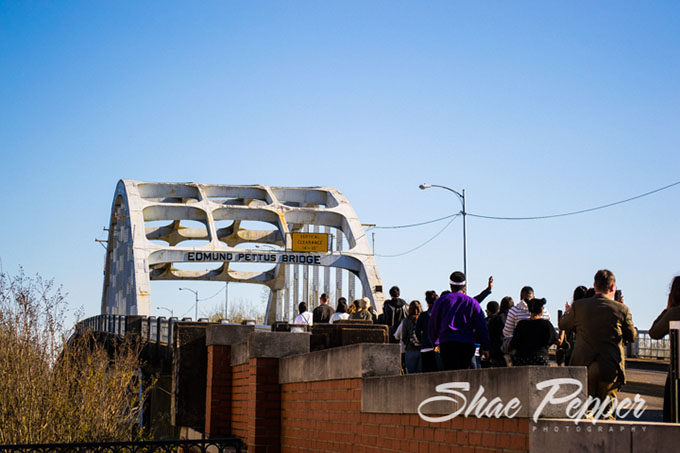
(266, 398)
(341, 400)
(241, 409)
(218, 392)
(326, 416)
(256, 404)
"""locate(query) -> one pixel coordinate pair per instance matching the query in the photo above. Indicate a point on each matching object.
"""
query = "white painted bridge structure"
(154, 226)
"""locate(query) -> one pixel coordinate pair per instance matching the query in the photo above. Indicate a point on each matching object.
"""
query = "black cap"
(457, 279)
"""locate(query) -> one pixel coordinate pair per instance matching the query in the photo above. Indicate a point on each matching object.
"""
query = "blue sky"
(532, 107)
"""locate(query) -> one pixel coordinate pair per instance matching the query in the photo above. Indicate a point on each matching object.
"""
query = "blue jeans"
(413, 364)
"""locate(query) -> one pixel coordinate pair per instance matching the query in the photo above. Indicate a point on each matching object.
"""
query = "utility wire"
(581, 211)
(423, 244)
(185, 314)
(564, 214)
(208, 298)
(411, 225)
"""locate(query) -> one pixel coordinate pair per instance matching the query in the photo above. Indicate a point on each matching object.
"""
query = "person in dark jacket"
(412, 359)
(455, 322)
(485, 292)
(394, 312)
(569, 337)
(659, 330)
(495, 325)
(322, 313)
(491, 310)
(533, 337)
(602, 325)
(362, 313)
(428, 356)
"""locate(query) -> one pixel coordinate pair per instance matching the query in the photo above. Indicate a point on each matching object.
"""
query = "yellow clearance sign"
(310, 242)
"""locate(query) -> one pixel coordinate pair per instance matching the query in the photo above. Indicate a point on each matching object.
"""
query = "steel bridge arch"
(138, 252)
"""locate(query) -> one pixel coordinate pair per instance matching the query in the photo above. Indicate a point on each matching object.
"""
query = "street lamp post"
(461, 198)
(226, 301)
(195, 294)
(172, 313)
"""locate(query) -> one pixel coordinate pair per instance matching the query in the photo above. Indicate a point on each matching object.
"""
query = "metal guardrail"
(159, 330)
(153, 329)
(231, 444)
(648, 348)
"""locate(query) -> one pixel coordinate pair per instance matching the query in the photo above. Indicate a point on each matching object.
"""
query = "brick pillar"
(256, 392)
(242, 419)
(220, 377)
(218, 392)
(256, 404)
(266, 398)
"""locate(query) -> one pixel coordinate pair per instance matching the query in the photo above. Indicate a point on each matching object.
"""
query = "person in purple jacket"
(456, 323)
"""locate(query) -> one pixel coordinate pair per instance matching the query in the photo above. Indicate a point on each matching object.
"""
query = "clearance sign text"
(309, 242)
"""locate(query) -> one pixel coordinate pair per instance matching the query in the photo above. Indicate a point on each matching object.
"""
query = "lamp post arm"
(461, 196)
(196, 297)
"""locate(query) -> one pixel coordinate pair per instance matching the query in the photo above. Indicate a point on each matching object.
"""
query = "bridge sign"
(309, 242)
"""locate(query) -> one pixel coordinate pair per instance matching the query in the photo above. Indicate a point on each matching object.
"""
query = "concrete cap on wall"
(263, 344)
(227, 334)
(504, 383)
(346, 362)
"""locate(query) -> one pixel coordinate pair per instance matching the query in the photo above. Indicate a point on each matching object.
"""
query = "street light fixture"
(195, 294)
(461, 198)
(172, 313)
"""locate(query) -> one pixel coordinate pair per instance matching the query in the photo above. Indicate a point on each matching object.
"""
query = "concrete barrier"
(564, 436)
(502, 383)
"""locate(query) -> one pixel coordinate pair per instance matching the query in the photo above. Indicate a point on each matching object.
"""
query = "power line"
(185, 314)
(411, 225)
(208, 298)
(581, 211)
(564, 214)
(423, 244)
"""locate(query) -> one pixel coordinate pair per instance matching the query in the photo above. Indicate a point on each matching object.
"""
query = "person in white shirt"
(304, 318)
(517, 313)
(340, 311)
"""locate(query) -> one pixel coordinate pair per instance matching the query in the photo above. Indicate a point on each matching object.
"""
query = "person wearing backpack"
(394, 312)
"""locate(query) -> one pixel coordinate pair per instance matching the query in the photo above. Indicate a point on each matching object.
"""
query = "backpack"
(393, 317)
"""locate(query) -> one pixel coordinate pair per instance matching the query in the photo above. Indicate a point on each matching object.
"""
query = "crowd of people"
(453, 332)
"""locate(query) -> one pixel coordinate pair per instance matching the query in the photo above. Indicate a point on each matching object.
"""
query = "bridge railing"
(649, 348)
(152, 329)
(160, 330)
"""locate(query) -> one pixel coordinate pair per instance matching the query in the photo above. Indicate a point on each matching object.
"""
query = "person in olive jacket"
(601, 324)
(659, 330)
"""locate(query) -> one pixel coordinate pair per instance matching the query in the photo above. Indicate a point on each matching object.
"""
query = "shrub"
(52, 390)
